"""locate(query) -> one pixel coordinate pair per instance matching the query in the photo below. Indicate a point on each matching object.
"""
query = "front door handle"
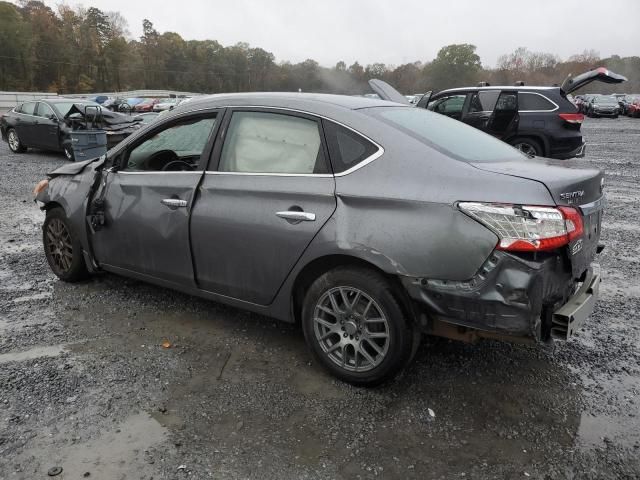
(297, 216)
(173, 202)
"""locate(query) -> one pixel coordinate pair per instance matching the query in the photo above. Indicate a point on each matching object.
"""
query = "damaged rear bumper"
(572, 315)
(509, 296)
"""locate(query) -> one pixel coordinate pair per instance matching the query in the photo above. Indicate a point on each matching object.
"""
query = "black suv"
(540, 121)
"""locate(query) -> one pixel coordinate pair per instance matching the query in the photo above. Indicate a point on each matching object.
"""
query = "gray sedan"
(367, 221)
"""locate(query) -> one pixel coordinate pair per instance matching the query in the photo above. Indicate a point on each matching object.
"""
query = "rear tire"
(355, 326)
(62, 247)
(528, 146)
(14, 142)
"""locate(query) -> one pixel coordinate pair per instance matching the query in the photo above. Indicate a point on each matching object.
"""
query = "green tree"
(455, 66)
(14, 47)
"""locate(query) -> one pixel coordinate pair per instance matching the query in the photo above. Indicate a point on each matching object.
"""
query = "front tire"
(355, 326)
(62, 247)
(14, 142)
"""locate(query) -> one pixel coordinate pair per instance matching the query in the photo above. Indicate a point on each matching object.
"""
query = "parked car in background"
(100, 99)
(274, 203)
(47, 124)
(166, 104)
(114, 103)
(129, 104)
(625, 102)
(603, 106)
(633, 110)
(539, 121)
(146, 105)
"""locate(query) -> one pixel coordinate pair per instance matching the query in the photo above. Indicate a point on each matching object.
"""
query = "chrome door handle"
(173, 202)
(297, 216)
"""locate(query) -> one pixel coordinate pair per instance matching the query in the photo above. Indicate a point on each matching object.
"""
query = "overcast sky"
(392, 31)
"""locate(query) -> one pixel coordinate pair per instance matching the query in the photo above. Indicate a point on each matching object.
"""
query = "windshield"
(64, 107)
(446, 135)
(606, 100)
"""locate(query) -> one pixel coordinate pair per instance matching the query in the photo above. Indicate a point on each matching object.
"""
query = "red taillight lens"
(572, 117)
(573, 222)
(523, 228)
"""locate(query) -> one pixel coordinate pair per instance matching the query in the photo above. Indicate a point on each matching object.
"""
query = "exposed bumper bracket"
(572, 315)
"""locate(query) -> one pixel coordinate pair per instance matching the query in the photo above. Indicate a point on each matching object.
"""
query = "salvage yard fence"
(8, 100)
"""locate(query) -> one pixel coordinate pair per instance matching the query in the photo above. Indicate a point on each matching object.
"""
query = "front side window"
(261, 142)
(483, 101)
(177, 147)
(533, 101)
(28, 108)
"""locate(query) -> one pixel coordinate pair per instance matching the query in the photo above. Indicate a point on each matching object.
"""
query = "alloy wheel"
(351, 329)
(14, 141)
(59, 245)
(526, 148)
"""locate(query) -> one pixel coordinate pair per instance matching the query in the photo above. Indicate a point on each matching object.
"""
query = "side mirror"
(51, 116)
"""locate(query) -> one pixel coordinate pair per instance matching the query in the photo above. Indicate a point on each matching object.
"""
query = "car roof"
(308, 101)
(497, 87)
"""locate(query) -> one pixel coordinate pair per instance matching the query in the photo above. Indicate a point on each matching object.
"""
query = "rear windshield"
(446, 135)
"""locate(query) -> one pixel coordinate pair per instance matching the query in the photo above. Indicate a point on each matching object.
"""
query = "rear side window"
(483, 101)
(28, 108)
(346, 147)
(446, 135)
(533, 101)
(260, 142)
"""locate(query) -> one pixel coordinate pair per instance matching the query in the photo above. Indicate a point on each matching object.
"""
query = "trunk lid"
(570, 184)
(387, 92)
(600, 74)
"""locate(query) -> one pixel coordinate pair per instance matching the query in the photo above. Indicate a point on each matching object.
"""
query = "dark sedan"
(47, 124)
(367, 221)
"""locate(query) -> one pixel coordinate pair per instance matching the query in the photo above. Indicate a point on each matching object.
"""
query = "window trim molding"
(357, 166)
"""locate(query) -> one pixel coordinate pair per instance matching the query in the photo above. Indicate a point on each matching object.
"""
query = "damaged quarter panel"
(401, 209)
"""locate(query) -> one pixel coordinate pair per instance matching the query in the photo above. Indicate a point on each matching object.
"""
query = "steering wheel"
(160, 159)
(177, 166)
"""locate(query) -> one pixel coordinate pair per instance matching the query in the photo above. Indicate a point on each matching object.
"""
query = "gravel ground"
(86, 385)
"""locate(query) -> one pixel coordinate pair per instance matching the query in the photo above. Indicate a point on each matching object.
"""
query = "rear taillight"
(523, 228)
(572, 117)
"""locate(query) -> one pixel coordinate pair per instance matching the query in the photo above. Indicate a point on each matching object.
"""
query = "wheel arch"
(319, 266)
(540, 139)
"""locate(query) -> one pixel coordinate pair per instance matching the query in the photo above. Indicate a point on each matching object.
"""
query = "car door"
(46, 128)
(480, 108)
(25, 121)
(146, 199)
(504, 119)
(266, 195)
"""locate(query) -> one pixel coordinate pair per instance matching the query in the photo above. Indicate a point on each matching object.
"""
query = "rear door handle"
(297, 216)
(173, 202)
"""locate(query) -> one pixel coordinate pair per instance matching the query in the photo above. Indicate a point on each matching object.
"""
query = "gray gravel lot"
(86, 385)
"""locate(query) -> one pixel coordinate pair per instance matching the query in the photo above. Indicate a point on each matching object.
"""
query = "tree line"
(80, 50)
